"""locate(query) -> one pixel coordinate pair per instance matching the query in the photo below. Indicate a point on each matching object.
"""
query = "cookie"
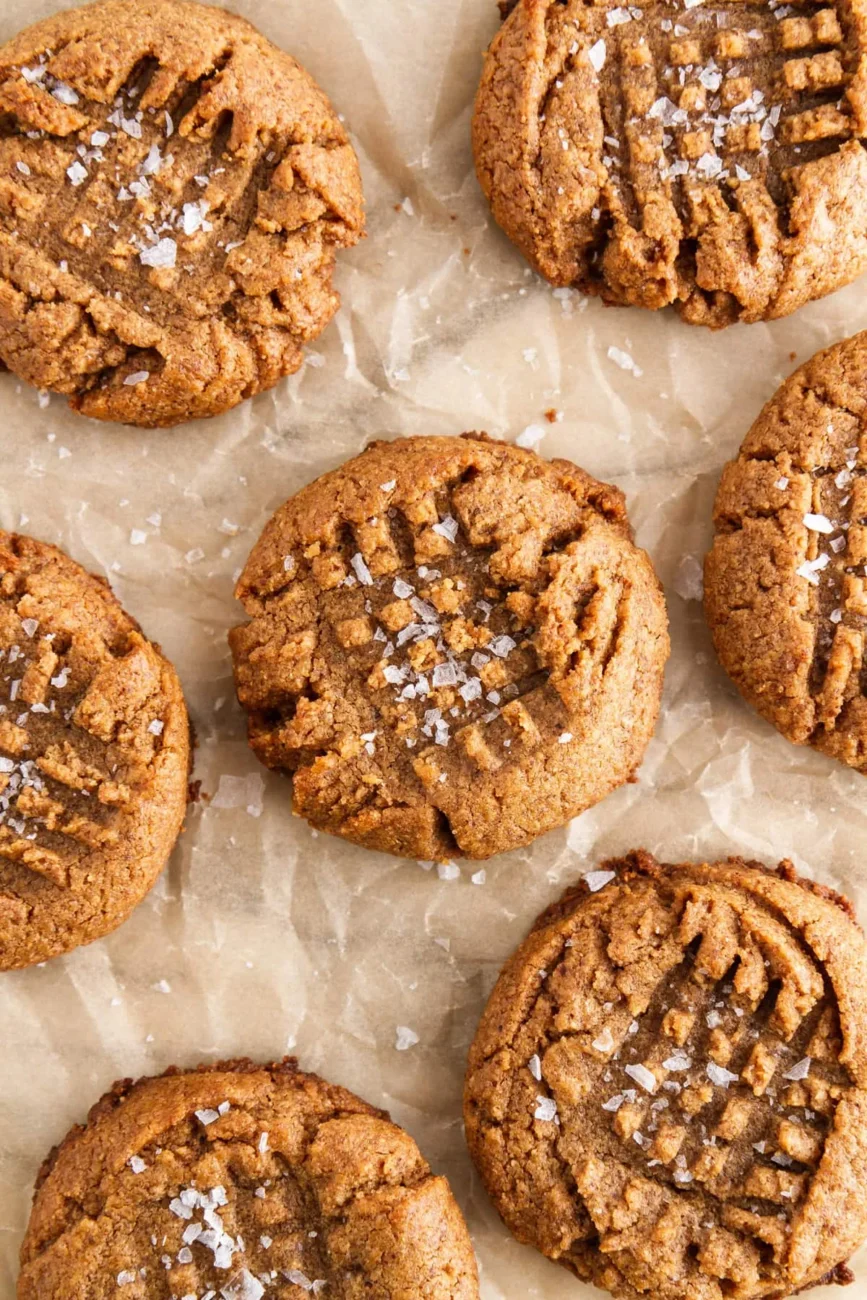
(94, 756)
(785, 592)
(667, 1093)
(172, 192)
(704, 158)
(245, 1182)
(453, 646)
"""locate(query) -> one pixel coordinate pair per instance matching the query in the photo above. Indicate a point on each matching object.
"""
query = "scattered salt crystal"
(389, 486)
(800, 1070)
(546, 1109)
(564, 737)
(30, 626)
(138, 377)
(23, 168)
(596, 880)
(361, 570)
(624, 361)
(502, 646)
(641, 1074)
(153, 162)
(810, 569)
(677, 1062)
(782, 483)
(137, 537)
(99, 138)
(405, 1038)
(713, 1019)
(136, 1164)
(534, 1065)
(719, 1075)
(193, 218)
(246, 1287)
(605, 1041)
(596, 55)
(126, 1276)
(531, 436)
(471, 689)
(447, 528)
(162, 254)
(818, 523)
(76, 173)
(448, 870)
(64, 94)
(207, 1117)
(614, 1103)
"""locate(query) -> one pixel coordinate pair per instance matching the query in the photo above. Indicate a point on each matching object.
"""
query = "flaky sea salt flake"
(596, 880)
(596, 55)
(642, 1075)
(546, 1109)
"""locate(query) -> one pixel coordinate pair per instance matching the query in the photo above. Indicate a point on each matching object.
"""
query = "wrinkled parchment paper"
(262, 937)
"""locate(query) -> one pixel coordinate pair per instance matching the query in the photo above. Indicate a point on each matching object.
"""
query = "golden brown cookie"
(705, 157)
(667, 1093)
(172, 190)
(454, 646)
(94, 756)
(785, 591)
(244, 1182)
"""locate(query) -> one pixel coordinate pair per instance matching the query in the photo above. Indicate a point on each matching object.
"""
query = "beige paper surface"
(262, 937)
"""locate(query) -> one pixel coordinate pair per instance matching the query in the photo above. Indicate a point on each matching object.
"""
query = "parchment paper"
(262, 937)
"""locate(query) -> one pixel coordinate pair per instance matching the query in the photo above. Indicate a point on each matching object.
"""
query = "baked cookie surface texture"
(785, 591)
(454, 646)
(242, 1182)
(704, 156)
(94, 756)
(172, 191)
(666, 1093)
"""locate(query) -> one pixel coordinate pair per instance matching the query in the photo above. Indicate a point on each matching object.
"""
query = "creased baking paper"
(261, 937)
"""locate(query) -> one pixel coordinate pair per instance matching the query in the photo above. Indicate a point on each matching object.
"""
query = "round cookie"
(453, 645)
(667, 1093)
(785, 593)
(245, 1182)
(94, 756)
(172, 190)
(707, 159)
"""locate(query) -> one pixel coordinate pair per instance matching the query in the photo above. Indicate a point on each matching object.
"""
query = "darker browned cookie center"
(172, 190)
(706, 156)
(454, 646)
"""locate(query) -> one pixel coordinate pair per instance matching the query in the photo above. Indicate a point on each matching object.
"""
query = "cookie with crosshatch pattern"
(785, 588)
(454, 646)
(667, 1093)
(94, 756)
(172, 192)
(702, 155)
(239, 1181)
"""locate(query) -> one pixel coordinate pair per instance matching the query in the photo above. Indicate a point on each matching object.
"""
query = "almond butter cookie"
(172, 192)
(94, 756)
(453, 646)
(708, 158)
(667, 1093)
(785, 591)
(244, 1182)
